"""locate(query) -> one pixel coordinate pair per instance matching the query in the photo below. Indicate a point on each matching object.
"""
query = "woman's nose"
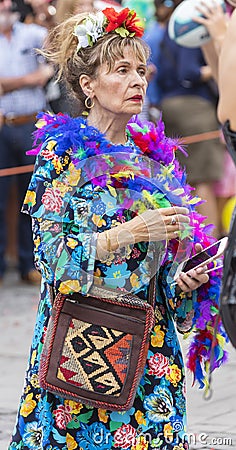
(138, 79)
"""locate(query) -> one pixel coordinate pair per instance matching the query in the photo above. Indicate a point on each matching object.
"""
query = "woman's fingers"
(198, 248)
(172, 210)
(192, 280)
(161, 224)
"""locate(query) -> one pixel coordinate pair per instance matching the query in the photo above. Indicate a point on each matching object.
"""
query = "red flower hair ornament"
(125, 23)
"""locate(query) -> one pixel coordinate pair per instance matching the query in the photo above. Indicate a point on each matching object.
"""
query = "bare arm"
(64, 10)
(211, 57)
(216, 22)
(37, 78)
(227, 71)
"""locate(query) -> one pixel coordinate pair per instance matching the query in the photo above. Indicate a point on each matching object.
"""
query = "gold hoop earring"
(87, 104)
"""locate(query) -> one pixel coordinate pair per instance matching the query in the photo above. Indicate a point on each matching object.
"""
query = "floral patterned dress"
(71, 201)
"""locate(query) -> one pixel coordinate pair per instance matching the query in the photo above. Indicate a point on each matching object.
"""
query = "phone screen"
(201, 257)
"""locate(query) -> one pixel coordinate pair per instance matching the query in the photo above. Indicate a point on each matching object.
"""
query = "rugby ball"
(182, 28)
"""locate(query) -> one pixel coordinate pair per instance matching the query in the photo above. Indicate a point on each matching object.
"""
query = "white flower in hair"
(90, 30)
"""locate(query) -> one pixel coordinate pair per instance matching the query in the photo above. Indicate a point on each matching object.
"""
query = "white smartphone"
(203, 258)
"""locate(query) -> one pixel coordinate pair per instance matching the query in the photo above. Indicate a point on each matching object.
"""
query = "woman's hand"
(214, 19)
(158, 225)
(194, 278)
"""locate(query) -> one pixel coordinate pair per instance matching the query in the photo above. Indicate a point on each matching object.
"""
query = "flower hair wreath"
(125, 23)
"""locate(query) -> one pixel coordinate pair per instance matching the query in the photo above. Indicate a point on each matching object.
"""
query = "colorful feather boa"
(83, 142)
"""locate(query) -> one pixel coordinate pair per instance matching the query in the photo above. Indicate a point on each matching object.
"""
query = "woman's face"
(122, 89)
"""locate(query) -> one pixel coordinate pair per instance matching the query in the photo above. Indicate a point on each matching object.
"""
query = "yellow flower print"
(68, 286)
(57, 165)
(139, 206)
(74, 175)
(75, 407)
(171, 303)
(141, 444)
(98, 220)
(174, 374)
(30, 198)
(178, 447)
(157, 338)
(168, 432)
(46, 225)
(51, 145)
(71, 243)
(62, 187)
(139, 416)
(34, 380)
(71, 444)
(97, 277)
(158, 314)
(134, 280)
(33, 356)
(36, 243)
(28, 405)
(112, 191)
(102, 414)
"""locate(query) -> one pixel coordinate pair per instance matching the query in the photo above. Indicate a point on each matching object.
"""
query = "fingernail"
(199, 270)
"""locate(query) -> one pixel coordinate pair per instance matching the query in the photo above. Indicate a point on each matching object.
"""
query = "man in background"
(22, 80)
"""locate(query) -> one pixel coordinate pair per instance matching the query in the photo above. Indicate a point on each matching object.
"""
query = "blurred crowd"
(182, 88)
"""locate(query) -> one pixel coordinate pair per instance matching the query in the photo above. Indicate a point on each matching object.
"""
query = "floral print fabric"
(67, 215)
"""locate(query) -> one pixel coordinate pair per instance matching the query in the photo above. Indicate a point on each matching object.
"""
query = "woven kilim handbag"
(96, 347)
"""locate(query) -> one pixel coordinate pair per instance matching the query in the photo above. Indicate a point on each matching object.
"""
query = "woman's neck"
(113, 127)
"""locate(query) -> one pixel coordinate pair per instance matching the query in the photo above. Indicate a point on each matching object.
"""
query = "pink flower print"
(62, 416)
(158, 365)
(48, 154)
(125, 436)
(52, 200)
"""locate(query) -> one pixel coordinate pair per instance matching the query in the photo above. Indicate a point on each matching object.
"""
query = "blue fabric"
(14, 141)
(153, 37)
(179, 70)
(19, 58)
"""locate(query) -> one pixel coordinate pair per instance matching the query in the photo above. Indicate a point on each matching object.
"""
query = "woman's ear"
(86, 85)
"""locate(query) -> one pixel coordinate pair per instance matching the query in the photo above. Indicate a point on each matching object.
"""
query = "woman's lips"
(136, 98)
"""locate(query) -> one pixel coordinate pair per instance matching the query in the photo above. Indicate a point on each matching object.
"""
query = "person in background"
(108, 220)
(220, 52)
(217, 21)
(188, 105)
(22, 80)
(41, 12)
(153, 36)
(66, 8)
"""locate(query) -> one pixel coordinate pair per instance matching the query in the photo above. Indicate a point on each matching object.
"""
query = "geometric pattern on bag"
(96, 346)
(95, 357)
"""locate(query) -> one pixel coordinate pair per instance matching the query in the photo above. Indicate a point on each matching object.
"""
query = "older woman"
(108, 202)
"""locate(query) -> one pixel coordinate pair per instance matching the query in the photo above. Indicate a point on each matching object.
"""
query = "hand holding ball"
(184, 30)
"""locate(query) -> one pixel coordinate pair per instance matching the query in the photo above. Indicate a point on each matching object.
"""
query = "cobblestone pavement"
(211, 423)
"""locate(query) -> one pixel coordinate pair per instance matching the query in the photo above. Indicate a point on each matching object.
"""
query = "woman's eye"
(122, 70)
(142, 72)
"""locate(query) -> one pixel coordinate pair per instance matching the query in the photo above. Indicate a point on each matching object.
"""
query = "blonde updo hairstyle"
(61, 49)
